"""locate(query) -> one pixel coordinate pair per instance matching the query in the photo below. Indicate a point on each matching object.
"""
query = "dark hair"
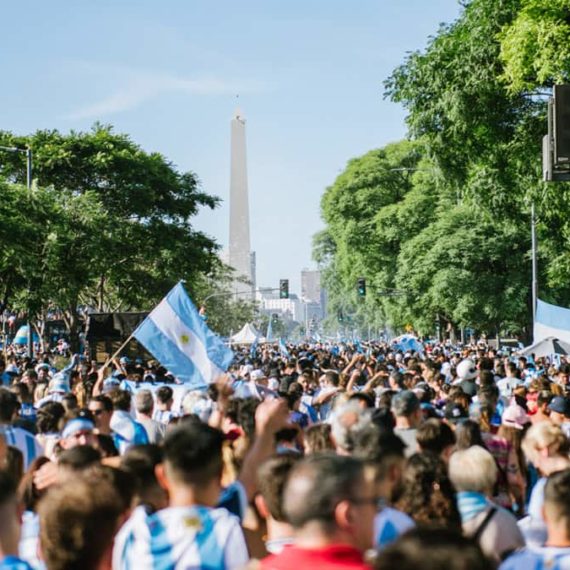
(363, 397)
(193, 451)
(140, 460)
(49, 417)
(333, 377)
(378, 447)
(435, 436)
(105, 401)
(79, 458)
(27, 490)
(427, 494)
(78, 521)
(9, 405)
(15, 463)
(271, 479)
(106, 445)
(121, 399)
(327, 479)
(467, 434)
(164, 394)
(557, 495)
(7, 487)
(433, 548)
(318, 437)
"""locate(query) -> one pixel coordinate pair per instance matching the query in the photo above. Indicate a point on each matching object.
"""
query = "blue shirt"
(14, 563)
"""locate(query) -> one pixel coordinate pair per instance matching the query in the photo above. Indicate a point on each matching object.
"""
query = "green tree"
(535, 46)
(125, 235)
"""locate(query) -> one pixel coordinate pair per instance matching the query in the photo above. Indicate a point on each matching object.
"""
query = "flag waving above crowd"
(176, 335)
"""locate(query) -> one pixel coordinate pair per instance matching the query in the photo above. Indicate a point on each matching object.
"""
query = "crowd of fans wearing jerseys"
(317, 456)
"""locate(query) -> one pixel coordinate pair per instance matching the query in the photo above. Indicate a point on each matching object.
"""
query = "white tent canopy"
(547, 347)
(247, 335)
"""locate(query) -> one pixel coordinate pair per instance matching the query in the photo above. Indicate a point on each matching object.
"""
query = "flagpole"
(119, 349)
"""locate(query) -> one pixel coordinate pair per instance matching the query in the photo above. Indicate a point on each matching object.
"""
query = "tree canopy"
(451, 239)
(106, 225)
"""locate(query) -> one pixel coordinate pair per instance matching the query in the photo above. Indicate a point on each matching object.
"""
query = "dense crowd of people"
(321, 455)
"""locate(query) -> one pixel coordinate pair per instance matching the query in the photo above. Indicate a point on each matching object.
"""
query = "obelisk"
(240, 257)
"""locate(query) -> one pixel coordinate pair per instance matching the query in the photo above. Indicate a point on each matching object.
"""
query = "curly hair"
(427, 494)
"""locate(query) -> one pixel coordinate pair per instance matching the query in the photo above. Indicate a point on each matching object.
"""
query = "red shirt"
(334, 557)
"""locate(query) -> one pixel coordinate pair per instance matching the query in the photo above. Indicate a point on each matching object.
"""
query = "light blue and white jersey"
(179, 538)
(163, 416)
(544, 558)
(127, 431)
(24, 441)
(389, 524)
(29, 547)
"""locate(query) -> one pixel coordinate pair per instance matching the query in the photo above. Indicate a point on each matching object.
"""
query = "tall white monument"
(241, 257)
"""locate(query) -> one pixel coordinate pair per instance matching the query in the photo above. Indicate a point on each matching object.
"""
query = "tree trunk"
(73, 324)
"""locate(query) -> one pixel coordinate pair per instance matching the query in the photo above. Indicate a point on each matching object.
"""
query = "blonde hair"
(544, 435)
(473, 469)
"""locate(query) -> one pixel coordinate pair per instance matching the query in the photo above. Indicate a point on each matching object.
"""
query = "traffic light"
(284, 288)
(561, 125)
(361, 287)
(340, 316)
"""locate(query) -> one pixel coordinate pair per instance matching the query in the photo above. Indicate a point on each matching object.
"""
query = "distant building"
(291, 309)
(313, 294)
(311, 286)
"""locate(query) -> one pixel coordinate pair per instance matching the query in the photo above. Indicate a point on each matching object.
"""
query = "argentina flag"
(177, 336)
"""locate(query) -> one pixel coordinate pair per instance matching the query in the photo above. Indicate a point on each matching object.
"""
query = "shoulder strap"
(480, 529)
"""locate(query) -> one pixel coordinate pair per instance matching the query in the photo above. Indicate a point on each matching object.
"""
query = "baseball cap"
(515, 416)
(455, 412)
(466, 369)
(560, 405)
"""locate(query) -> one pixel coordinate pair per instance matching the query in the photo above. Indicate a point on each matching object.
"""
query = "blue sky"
(309, 74)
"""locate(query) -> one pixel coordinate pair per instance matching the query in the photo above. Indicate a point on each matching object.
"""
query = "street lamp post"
(28, 152)
(534, 261)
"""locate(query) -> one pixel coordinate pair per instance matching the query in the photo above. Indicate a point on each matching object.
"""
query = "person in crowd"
(141, 461)
(144, 405)
(13, 435)
(427, 495)
(407, 411)
(101, 407)
(87, 517)
(555, 553)
(435, 436)
(433, 548)
(272, 477)
(164, 400)
(330, 504)
(546, 447)
(190, 532)
(125, 430)
(383, 452)
(10, 525)
(473, 472)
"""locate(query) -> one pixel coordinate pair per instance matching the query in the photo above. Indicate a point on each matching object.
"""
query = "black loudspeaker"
(562, 125)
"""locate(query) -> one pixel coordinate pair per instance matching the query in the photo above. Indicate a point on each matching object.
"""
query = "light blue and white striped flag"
(176, 335)
(283, 349)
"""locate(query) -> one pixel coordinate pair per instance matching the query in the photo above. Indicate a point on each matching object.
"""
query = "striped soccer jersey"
(544, 558)
(24, 441)
(180, 538)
